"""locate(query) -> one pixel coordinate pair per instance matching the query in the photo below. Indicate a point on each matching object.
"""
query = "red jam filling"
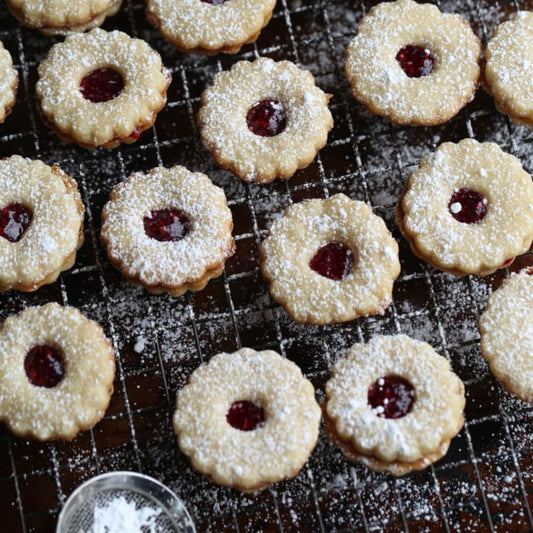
(14, 221)
(334, 261)
(415, 60)
(468, 206)
(267, 118)
(167, 224)
(44, 366)
(391, 397)
(245, 415)
(102, 85)
(214, 2)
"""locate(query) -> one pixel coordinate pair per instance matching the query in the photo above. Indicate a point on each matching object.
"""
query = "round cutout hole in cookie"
(214, 2)
(416, 61)
(168, 224)
(468, 206)
(391, 396)
(245, 415)
(101, 85)
(44, 366)
(15, 219)
(267, 118)
(334, 260)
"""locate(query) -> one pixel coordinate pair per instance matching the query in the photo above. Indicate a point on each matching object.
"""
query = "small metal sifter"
(137, 492)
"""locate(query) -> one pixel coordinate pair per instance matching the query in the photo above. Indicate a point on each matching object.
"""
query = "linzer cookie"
(209, 26)
(330, 261)
(412, 64)
(508, 74)
(56, 372)
(169, 230)
(8, 83)
(506, 329)
(101, 89)
(41, 223)
(393, 404)
(247, 419)
(264, 119)
(468, 208)
(61, 17)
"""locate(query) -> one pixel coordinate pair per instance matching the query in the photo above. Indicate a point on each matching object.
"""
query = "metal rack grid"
(484, 483)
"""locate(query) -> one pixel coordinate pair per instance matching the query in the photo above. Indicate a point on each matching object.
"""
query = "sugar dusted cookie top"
(168, 229)
(209, 26)
(394, 399)
(264, 119)
(247, 419)
(41, 223)
(468, 208)
(413, 64)
(330, 261)
(508, 73)
(56, 372)
(506, 328)
(101, 88)
(8, 83)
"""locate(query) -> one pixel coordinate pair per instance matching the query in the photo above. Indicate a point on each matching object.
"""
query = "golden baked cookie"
(41, 223)
(9, 81)
(413, 64)
(100, 89)
(169, 230)
(209, 26)
(247, 419)
(62, 17)
(506, 328)
(330, 261)
(508, 73)
(393, 404)
(264, 119)
(56, 372)
(468, 208)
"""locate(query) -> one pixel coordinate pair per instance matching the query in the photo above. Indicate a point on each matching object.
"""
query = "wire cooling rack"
(484, 483)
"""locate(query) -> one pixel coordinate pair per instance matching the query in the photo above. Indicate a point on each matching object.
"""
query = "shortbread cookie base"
(91, 125)
(253, 158)
(508, 76)
(396, 468)
(171, 290)
(378, 81)
(307, 296)
(63, 20)
(436, 412)
(247, 460)
(42, 266)
(8, 83)
(194, 27)
(171, 267)
(109, 145)
(481, 248)
(506, 328)
(80, 399)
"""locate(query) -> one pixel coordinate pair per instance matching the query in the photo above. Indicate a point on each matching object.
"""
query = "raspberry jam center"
(334, 260)
(167, 224)
(214, 2)
(14, 221)
(245, 415)
(391, 397)
(468, 206)
(415, 60)
(101, 85)
(267, 118)
(44, 366)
